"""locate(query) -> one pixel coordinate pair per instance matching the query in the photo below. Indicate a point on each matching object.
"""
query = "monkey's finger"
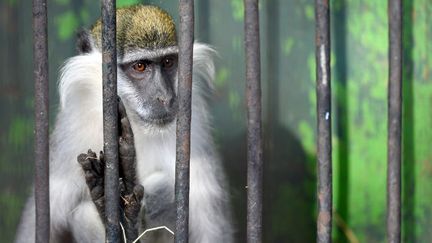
(127, 164)
(84, 162)
(128, 173)
(122, 187)
(126, 149)
(102, 162)
(96, 166)
(126, 130)
(82, 159)
(91, 179)
(121, 108)
(97, 192)
(91, 154)
(126, 155)
(102, 158)
(138, 192)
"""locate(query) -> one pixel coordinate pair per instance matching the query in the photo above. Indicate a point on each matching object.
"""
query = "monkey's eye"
(139, 66)
(168, 62)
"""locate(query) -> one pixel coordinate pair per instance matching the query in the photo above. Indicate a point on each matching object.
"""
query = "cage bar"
(186, 38)
(40, 50)
(394, 122)
(324, 146)
(254, 133)
(110, 121)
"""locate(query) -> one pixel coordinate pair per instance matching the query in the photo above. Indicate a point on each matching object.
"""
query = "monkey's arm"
(131, 193)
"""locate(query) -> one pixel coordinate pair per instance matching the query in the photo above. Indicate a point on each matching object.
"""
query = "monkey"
(147, 56)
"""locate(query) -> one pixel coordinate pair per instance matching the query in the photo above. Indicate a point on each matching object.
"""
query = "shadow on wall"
(289, 187)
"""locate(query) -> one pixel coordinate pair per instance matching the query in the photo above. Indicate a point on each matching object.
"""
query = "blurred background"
(359, 81)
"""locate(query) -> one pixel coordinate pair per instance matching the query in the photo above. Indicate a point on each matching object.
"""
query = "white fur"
(79, 127)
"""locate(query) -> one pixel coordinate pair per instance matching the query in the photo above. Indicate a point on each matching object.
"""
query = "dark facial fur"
(154, 82)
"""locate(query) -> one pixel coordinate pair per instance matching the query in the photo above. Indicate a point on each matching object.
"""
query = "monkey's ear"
(84, 41)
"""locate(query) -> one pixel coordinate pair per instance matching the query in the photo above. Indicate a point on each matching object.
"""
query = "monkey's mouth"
(164, 120)
(160, 119)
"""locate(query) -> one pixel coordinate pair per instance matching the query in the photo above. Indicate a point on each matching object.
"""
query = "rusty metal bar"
(40, 49)
(324, 145)
(254, 133)
(186, 38)
(394, 122)
(110, 121)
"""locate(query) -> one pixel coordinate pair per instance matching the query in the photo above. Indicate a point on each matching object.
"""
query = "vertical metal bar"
(254, 133)
(186, 38)
(110, 120)
(394, 122)
(324, 146)
(40, 49)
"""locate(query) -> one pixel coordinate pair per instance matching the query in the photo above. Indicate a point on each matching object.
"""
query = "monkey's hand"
(94, 175)
(131, 192)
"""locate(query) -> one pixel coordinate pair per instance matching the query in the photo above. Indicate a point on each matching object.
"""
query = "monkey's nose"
(166, 101)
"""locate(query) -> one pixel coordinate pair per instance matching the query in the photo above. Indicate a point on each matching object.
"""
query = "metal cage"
(254, 133)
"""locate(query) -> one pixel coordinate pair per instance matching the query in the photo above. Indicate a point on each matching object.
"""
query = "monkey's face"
(147, 85)
(147, 58)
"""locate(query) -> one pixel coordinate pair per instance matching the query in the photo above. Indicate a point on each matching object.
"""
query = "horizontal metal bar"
(394, 122)
(324, 143)
(254, 133)
(110, 121)
(40, 49)
(186, 38)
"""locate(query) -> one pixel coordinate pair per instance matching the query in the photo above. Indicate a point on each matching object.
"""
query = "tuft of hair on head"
(83, 44)
(140, 27)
